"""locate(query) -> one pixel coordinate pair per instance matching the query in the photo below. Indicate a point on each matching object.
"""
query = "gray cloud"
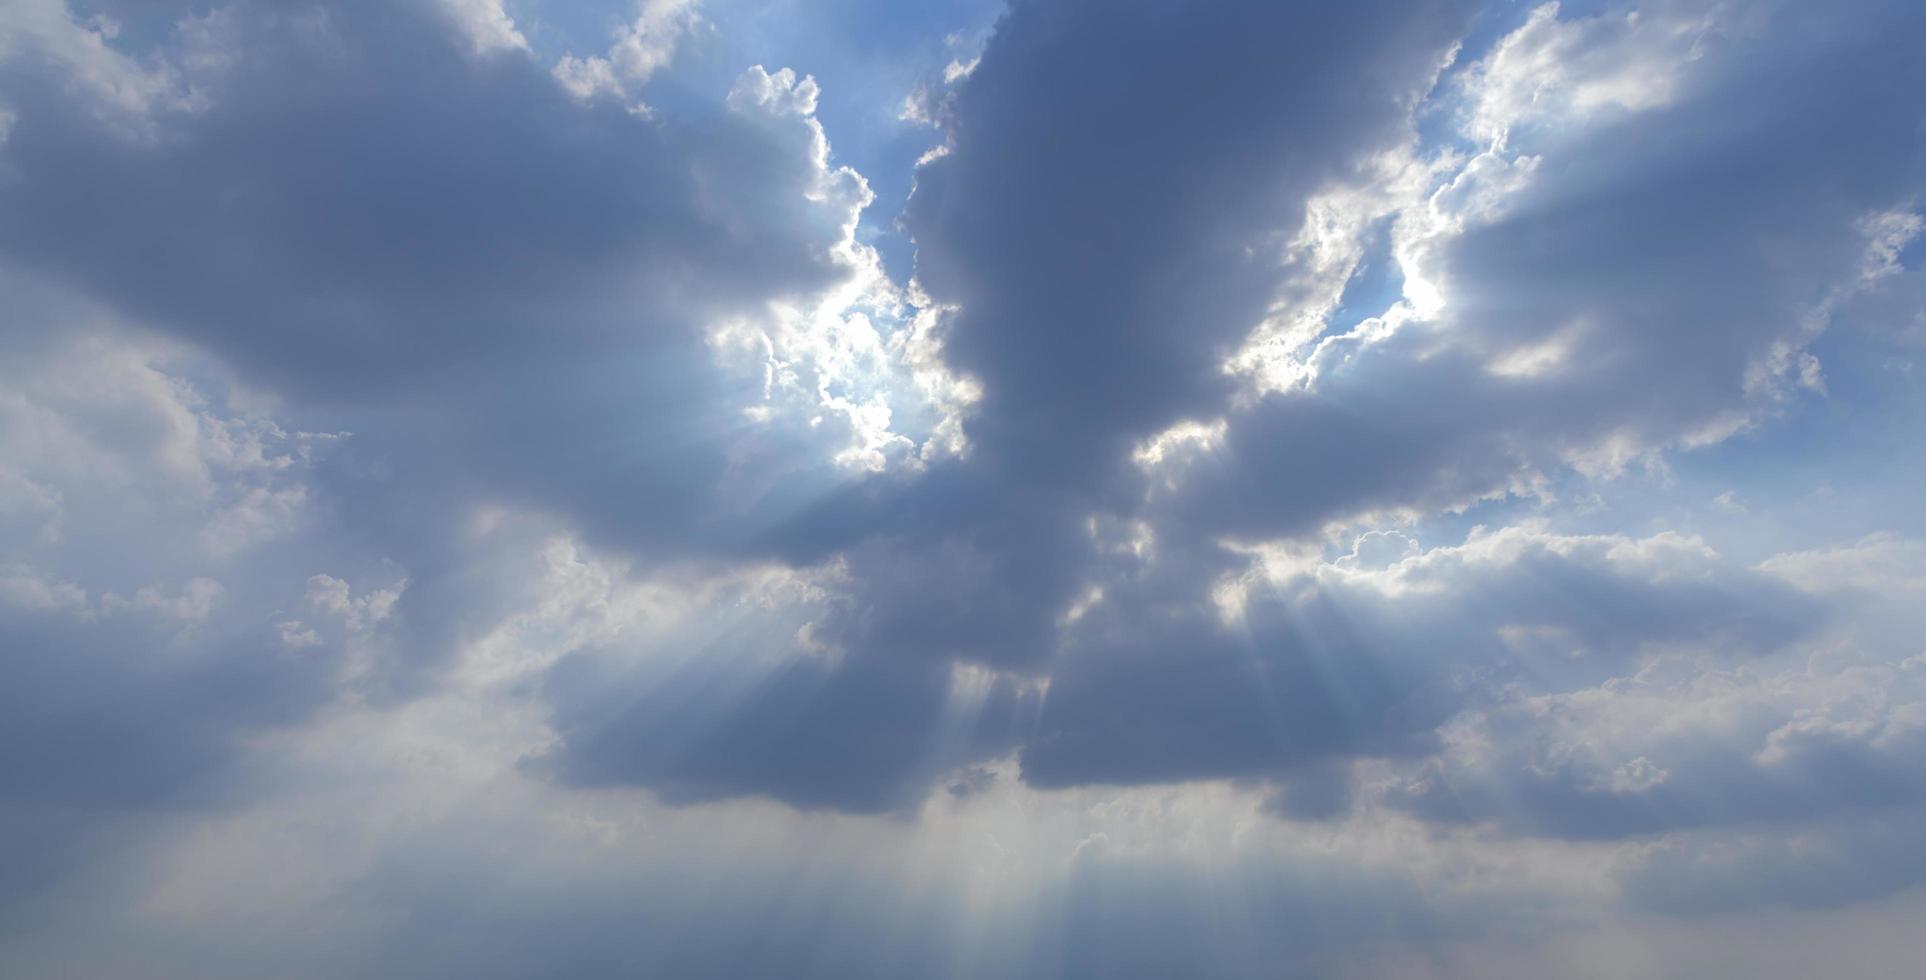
(1276, 440)
(1073, 227)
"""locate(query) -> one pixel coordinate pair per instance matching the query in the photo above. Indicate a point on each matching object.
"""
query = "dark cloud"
(1665, 265)
(1077, 218)
(1310, 671)
(1106, 251)
(503, 291)
(867, 736)
(1117, 181)
(129, 712)
(356, 383)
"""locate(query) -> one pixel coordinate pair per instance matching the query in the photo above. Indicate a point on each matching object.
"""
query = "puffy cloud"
(1676, 746)
(131, 607)
(487, 24)
(1057, 283)
(509, 296)
(1293, 666)
(1084, 539)
(1077, 213)
(338, 213)
(1605, 264)
(641, 48)
(1321, 490)
(977, 558)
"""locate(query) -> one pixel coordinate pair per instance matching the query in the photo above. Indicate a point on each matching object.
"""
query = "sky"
(964, 489)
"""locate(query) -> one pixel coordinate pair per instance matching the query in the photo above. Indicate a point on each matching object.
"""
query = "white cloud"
(487, 24)
(359, 613)
(194, 601)
(852, 355)
(642, 47)
(296, 635)
(1560, 72)
(28, 588)
(106, 431)
(124, 92)
(1883, 562)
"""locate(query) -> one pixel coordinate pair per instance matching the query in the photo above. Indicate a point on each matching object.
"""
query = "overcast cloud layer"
(1057, 488)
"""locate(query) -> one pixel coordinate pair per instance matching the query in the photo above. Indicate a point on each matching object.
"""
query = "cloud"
(642, 47)
(337, 212)
(488, 25)
(1085, 535)
(1672, 747)
(977, 558)
(1610, 266)
(1332, 483)
(1069, 260)
(508, 295)
(1880, 563)
(1296, 666)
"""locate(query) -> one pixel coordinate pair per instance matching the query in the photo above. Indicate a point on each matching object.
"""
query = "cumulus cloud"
(1323, 484)
(642, 47)
(1292, 665)
(353, 219)
(488, 25)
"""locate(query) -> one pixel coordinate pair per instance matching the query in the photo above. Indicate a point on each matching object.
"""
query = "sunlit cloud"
(985, 489)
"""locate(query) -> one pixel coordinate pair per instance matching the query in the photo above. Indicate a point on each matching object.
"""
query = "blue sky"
(1057, 488)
